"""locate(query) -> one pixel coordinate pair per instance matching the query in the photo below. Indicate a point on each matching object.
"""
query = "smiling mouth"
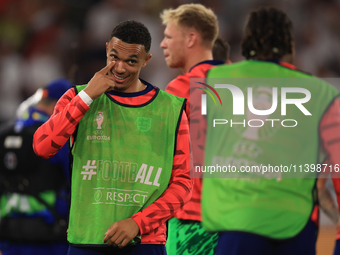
(119, 78)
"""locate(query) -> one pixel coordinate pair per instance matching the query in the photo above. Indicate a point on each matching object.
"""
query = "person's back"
(267, 195)
(267, 140)
(34, 191)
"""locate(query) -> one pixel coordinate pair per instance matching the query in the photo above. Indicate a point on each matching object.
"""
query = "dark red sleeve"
(330, 134)
(330, 139)
(54, 133)
(178, 191)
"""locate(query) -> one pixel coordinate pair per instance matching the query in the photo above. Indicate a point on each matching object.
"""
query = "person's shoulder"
(200, 70)
(171, 96)
(324, 83)
(205, 65)
(229, 66)
(179, 86)
(182, 78)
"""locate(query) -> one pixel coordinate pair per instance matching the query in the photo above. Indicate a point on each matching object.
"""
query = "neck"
(137, 87)
(141, 86)
(196, 56)
(288, 58)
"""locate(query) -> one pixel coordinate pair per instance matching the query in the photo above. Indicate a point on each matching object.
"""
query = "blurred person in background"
(268, 215)
(221, 50)
(34, 192)
(189, 36)
(128, 180)
(40, 32)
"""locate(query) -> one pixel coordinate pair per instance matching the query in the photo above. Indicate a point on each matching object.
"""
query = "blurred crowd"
(41, 40)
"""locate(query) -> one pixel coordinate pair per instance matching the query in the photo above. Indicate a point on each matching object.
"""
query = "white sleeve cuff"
(85, 97)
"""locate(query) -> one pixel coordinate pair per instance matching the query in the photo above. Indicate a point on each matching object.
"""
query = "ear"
(148, 57)
(192, 39)
(107, 47)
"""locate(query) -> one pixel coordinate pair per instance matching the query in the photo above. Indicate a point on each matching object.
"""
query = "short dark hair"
(132, 32)
(268, 33)
(221, 50)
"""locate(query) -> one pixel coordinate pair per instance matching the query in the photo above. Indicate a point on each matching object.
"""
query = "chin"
(172, 65)
(119, 87)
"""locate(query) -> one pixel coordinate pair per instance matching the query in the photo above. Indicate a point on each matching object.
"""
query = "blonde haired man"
(189, 36)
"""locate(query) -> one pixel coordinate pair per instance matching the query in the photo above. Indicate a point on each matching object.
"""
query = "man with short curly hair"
(128, 176)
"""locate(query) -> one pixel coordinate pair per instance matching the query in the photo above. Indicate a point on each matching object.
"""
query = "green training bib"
(122, 162)
(272, 206)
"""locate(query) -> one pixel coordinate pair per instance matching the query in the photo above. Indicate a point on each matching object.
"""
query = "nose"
(163, 44)
(119, 67)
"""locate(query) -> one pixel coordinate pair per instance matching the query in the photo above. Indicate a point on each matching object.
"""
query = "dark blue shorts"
(337, 247)
(241, 243)
(149, 249)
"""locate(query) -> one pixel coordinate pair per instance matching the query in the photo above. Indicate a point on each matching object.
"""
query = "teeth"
(119, 78)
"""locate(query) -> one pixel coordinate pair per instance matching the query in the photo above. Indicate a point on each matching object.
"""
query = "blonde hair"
(196, 16)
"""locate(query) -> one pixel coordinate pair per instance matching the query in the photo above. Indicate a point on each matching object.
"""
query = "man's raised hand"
(100, 82)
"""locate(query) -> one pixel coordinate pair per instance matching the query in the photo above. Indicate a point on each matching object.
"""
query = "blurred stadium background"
(44, 39)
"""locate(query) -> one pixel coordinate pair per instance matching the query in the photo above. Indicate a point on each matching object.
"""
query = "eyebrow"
(131, 56)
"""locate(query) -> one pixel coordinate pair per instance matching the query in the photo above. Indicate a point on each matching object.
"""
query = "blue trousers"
(149, 249)
(241, 243)
(337, 247)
